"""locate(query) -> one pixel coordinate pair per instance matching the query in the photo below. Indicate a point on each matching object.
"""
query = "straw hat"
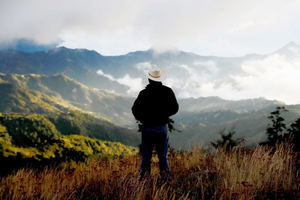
(156, 73)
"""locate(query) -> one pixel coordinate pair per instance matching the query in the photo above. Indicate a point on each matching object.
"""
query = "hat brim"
(159, 79)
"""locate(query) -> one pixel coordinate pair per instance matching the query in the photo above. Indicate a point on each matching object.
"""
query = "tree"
(294, 134)
(276, 131)
(227, 140)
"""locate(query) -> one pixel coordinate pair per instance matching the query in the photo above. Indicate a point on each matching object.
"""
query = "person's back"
(155, 104)
(153, 107)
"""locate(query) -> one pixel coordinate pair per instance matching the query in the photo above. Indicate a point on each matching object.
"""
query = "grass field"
(258, 173)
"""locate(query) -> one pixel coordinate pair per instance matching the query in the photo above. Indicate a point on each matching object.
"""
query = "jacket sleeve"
(173, 106)
(137, 107)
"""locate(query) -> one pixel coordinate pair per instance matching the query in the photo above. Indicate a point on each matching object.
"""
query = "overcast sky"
(112, 27)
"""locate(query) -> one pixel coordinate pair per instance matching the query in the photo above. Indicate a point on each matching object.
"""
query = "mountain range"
(188, 73)
(67, 118)
(101, 103)
(77, 63)
(61, 79)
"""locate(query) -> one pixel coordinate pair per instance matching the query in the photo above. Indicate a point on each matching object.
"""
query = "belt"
(156, 129)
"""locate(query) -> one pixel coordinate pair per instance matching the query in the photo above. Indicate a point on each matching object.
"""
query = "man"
(152, 108)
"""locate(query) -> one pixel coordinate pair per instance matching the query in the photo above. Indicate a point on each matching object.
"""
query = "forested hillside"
(66, 79)
(15, 99)
(200, 120)
(203, 127)
(68, 118)
(73, 94)
(34, 139)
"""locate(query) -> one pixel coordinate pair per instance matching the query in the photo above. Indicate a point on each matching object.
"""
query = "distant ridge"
(79, 64)
(29, 46)
(292, 48)
(212, 103)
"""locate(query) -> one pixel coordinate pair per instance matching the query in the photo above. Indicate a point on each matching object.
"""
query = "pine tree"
(227, 140)
(294, 134)
(276, 131)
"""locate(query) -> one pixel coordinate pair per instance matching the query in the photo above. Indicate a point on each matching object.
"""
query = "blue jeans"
(156, 136)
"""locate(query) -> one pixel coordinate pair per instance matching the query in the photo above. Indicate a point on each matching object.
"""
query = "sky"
(230, 28)
(206, 27)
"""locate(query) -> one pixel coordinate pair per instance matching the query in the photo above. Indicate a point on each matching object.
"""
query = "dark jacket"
(155, 104)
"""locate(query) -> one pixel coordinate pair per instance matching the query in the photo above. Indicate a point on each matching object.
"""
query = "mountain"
(68, 119)
(199, 119)
(68, 78)
(117, 108)
(76, 63)
(15, 99)
(291, 49)
(190, 75)
(74, 122)
(204, 126)
(35, 140)
(26, 45)
(101, 103)
(208, 104)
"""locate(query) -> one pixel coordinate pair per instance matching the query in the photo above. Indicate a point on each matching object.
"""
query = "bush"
(227, 140)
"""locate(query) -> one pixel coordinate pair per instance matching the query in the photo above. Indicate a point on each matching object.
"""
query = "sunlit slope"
(62, 114)
(100, 103)
(15, 99)
(35, 138)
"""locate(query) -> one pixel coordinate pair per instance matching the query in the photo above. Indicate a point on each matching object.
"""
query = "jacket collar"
(153, 84)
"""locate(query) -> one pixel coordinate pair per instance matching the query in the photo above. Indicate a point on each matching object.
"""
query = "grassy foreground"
(259, 173)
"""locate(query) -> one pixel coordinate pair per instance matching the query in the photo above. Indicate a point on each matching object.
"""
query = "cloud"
(143, 66)
(46, 21)
(275, 77)
(216, 27)
(134, 84)
(250, 25)
(110, 77)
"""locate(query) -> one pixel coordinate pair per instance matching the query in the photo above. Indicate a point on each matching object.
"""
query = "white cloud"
(110, 77)
(217, 27)
(251, 25)
(143, 66)
(134, 84)
(275, 77)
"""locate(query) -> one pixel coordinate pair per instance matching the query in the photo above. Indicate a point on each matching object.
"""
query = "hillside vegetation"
(33, 139)
(74, 122)
(205, 126)
(73, 94)
(15, 99)
(259, 173)
(67, 118)
(200, 120)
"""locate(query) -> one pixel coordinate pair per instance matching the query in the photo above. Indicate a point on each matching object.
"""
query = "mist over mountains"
(104, 87)
(199, 120)
(272, 76)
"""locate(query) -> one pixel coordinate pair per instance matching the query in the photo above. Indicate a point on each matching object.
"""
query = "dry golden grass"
(259, 173)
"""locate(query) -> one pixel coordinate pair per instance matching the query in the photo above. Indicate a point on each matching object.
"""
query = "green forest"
(34, 139)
